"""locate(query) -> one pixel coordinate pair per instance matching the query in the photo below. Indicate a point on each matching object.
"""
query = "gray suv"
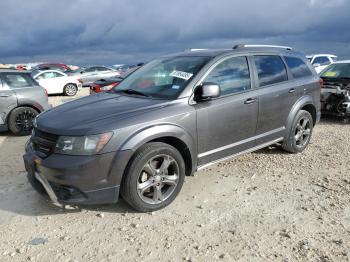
(21, 100)
(174, 116)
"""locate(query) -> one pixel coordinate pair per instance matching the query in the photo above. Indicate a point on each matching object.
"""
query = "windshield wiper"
(132, 92)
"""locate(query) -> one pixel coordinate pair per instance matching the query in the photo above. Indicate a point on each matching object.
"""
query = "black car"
(335, 97)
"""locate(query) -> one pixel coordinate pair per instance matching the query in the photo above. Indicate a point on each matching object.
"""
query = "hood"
(334, 81)
(95, 114)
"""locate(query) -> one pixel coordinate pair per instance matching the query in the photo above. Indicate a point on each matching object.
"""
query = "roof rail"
(273, 46)
(194, 49)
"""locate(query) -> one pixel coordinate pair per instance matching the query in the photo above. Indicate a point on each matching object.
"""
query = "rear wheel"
(21, 120)
(154, 177)
(70, 90)
(300, 133)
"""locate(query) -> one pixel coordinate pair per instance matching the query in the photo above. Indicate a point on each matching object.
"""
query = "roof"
(218, 52)
(14, 71)
(343, 62)
(315, 55)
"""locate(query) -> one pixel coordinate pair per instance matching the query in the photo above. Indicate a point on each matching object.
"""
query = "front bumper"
(77, 180)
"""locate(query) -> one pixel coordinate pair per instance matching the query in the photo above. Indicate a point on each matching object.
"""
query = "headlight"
(82, 145)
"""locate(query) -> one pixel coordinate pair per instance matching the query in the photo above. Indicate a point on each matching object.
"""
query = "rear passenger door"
(277, 95)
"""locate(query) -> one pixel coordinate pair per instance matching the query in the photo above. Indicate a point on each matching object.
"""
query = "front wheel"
(300, 133)
(154, 177)
(70, 90)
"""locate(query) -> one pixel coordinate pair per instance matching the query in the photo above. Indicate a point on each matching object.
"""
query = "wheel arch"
(170, 134)
(36, 108)
(304, 103)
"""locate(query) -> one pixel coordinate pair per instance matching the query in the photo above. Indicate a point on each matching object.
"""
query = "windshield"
(337, 71)
(163, 78)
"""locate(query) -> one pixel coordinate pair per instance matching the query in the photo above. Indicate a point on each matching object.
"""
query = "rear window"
(271, 69)
(18, 80)
(297, 67)
(321, 60)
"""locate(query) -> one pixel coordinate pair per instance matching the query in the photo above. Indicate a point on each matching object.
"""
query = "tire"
(154, 177)
(20, 121)
(300, 133)
(70, 89)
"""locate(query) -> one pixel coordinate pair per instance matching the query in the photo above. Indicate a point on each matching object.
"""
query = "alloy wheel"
(24, 120)
(71, 90)
(302, 132)
(158, 179)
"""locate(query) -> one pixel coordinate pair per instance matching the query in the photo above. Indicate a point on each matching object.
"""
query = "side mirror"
(316, 65)
(207, 91)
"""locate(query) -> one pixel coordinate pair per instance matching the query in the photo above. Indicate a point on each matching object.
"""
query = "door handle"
(4, 95)
(250, 101)
(292, 90)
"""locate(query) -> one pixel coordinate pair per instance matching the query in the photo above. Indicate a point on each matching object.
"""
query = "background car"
(56, 82)
(335, 98)
(21, 100)
(52, 66)
(107, 84)
(94, 73)
(104, 85)
(321, 61)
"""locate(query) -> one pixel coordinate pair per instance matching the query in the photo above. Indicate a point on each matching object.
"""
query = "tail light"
(97, 88)
(321, 82)
(109, 87)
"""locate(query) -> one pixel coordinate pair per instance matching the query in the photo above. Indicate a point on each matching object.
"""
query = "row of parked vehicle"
(59, 78)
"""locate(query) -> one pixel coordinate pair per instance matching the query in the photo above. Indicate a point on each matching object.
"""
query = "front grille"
(43, 143)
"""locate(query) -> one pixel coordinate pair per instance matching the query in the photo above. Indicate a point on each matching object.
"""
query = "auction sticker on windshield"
(330, 74)
(180, 74)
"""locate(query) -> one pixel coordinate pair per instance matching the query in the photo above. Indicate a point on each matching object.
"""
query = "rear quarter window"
(18, 80)
(297, 67)
(270, 69)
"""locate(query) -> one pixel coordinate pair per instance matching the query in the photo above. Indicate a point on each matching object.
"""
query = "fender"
(143, 136)
(158, 131)
(299, 104)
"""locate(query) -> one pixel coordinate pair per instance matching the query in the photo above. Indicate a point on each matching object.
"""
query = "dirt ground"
(263, 206)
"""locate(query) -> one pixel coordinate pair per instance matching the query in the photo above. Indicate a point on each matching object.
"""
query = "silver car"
(21, 100)
(94, 73)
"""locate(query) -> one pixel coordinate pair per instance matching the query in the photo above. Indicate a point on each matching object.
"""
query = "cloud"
(118, 31)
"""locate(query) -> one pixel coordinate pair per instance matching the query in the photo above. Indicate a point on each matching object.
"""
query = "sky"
(108, 32)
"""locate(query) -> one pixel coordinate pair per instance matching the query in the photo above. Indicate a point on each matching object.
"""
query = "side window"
(297, 67)
(48, 75)
(270, 69)
(14, 80)
(102, 68)
(91, 69)
(232, 75)
(322, 60)
(56, 74)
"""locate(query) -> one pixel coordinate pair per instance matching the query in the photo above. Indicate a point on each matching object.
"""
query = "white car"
(56, 82)
(321, 61)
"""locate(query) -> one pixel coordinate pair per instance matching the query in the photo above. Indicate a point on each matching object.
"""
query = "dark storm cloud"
(114, 31)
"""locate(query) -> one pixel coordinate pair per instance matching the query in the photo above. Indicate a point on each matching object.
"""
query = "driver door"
(226, 125)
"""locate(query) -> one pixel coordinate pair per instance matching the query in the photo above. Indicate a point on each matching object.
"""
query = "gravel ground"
(266, 205)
